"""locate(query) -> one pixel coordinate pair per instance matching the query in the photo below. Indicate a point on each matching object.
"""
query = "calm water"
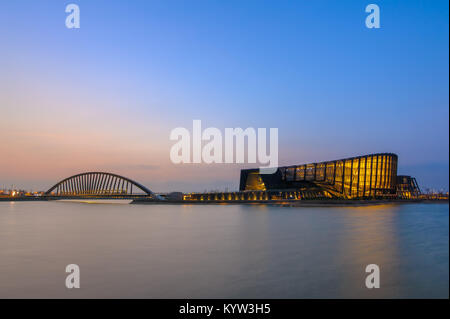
(138, 251)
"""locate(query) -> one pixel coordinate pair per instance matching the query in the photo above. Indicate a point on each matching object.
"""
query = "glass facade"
(372, 175)
(407, 187)
(363, 176)
(254, 182)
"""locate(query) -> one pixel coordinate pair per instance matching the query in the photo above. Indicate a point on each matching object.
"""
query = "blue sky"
(137, 69)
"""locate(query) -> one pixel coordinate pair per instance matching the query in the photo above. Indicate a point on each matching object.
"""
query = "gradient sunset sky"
(106, 96)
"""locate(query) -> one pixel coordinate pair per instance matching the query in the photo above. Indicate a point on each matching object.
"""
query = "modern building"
(368, 176)
(407, 187)
(371, 176)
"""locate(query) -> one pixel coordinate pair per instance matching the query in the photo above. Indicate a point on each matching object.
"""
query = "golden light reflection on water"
(370, 238)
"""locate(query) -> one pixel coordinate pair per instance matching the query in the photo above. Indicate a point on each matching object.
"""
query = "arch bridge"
(98, 184)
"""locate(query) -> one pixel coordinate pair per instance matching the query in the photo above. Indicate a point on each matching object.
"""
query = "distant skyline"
(106, 96)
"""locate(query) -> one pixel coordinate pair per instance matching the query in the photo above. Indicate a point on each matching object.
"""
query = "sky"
(105, 97)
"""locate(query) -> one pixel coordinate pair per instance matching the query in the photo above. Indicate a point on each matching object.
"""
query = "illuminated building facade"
(407, 187)
(366, 176)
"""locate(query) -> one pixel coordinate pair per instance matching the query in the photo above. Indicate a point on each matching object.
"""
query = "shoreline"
(296, 203)
(290, 203)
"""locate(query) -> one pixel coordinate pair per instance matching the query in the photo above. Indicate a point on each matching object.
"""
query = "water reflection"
(368, 237)
(222, 251)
